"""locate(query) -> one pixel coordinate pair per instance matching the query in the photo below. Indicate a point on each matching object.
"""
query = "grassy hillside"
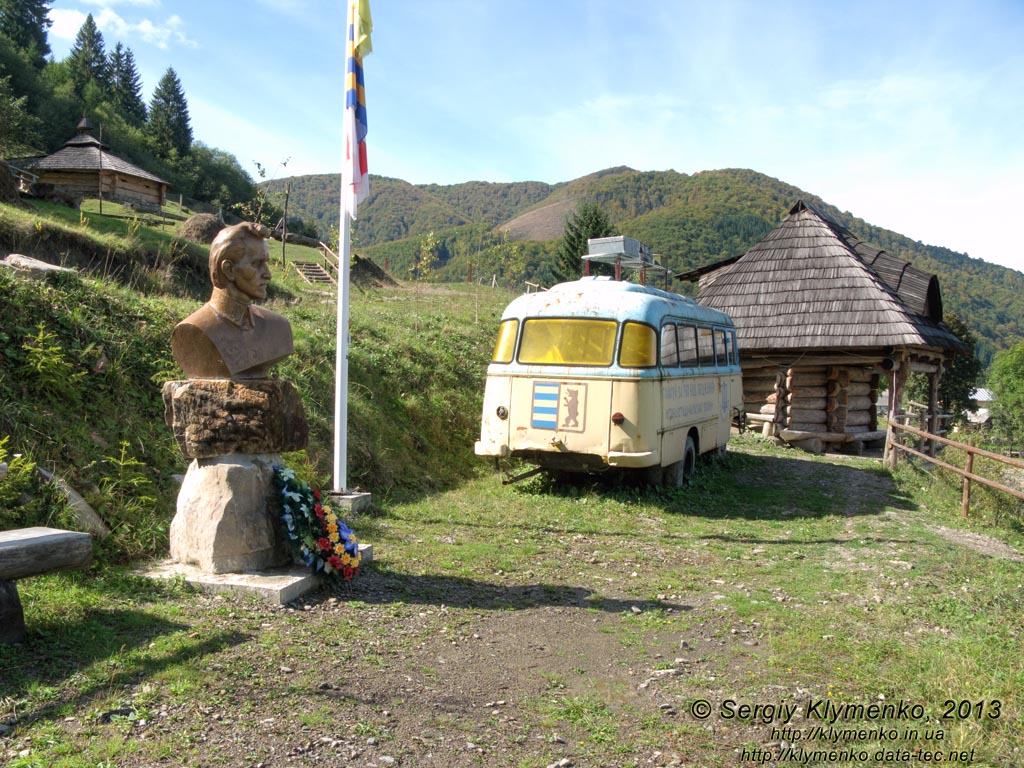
(83, 358)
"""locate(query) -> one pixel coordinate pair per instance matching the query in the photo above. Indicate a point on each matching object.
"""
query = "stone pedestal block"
(225, 521)
(216, 417)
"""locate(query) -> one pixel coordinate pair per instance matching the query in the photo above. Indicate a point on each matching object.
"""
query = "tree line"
(42, 100)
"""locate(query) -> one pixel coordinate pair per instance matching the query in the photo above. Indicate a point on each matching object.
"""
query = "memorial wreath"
(319, 538)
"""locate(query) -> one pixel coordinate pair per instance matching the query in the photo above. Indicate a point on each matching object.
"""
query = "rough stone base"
(225, 520)
(219, 417)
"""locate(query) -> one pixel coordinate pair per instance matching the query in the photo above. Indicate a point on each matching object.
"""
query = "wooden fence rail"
(968, 473)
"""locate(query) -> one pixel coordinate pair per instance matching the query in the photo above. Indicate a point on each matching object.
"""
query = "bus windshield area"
(568, 341)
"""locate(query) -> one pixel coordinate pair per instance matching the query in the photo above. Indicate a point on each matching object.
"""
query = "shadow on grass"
(382, 585)
(747, 486)
(58, 653)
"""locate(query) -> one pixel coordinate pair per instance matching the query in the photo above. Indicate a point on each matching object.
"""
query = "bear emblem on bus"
(559, 406)
(572, 409)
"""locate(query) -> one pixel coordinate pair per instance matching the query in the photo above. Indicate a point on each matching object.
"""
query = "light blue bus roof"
(602, 297)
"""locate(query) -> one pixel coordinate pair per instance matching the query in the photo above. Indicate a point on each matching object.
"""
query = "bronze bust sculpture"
(229, 337)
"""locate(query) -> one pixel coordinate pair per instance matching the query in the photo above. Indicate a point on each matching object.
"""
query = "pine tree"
(25, 22)
(169, 127)
(88, 59)
(126, 86)
(587, 221)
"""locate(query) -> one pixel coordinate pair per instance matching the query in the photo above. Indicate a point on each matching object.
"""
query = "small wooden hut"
(821, 317)
(84, 167)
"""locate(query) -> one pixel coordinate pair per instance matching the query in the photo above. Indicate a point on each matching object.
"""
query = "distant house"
(821, 316)
(982, 415)
(84, 167)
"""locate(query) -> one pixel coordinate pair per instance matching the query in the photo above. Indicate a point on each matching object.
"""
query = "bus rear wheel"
(680, 474)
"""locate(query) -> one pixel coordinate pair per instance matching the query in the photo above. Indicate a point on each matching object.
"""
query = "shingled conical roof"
(84, 152)
(810, 284)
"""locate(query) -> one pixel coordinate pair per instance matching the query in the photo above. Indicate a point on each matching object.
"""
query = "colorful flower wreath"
(318, 536)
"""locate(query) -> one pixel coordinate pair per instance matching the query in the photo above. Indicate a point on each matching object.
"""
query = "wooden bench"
(28, 552)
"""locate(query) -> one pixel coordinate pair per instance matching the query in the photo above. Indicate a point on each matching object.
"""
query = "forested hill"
(690, 220)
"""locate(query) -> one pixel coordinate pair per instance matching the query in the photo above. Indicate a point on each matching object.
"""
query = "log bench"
(28, 552)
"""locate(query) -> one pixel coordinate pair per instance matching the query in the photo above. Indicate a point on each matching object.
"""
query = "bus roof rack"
(623, 251)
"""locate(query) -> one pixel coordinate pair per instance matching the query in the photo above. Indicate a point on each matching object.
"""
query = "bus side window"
(722, 348)
(688, 346)
(505, 346)
(706, 347)
(639, 346)
(735, 360)
(669, 350)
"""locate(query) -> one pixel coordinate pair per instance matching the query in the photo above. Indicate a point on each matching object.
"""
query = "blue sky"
(909, 115)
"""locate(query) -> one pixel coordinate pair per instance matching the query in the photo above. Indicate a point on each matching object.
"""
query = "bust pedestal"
(233, 430)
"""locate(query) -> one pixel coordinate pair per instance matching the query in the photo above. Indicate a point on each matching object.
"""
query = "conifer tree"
(88, 59)
(587, 221)
(25, 22)
(169, 127)
(126, 86)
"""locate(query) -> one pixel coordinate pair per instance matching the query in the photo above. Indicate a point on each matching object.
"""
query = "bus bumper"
(631, 460)
(480, 448)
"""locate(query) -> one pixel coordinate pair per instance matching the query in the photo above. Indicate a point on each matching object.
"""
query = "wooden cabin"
(821, 318)
(84, 167)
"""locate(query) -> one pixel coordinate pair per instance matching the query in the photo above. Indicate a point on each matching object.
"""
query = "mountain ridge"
(511, 229)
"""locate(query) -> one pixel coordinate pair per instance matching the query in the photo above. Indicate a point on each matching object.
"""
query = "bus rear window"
(639, 346)
(505, 347)
(567, 341)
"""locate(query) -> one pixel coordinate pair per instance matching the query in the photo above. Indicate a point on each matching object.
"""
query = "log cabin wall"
(813, 404)
(114, 186)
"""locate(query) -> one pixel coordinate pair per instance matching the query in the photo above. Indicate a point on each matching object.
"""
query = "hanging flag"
(355, 176)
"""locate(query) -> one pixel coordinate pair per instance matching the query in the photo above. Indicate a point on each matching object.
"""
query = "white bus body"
(598, 374)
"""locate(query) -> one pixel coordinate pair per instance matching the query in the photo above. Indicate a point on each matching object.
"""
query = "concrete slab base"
(355, 502)
(276, 586)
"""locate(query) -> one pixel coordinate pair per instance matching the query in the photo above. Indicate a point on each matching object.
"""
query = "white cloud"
(161, 35)
(66, 23)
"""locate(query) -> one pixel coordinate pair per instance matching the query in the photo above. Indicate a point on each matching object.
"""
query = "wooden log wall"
(830, 403)
(114, 186)
(814, 404)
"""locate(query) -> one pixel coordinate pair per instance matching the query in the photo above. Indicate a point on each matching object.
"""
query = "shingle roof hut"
(820, 317)
(84, 167)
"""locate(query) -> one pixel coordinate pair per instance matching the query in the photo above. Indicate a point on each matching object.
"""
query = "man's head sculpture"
(229, 337)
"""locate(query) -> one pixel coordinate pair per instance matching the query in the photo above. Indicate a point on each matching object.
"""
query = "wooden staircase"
(313, 273)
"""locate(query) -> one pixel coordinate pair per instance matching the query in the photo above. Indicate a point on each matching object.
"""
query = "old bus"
(600, 374)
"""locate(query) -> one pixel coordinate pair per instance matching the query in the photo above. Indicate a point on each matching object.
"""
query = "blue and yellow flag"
(355, 176)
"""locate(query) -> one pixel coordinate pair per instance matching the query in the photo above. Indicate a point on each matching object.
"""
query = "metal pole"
(341, 359)
(284, 223)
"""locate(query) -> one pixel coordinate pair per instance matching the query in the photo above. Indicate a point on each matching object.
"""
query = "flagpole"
(341, 357)
(354, 187)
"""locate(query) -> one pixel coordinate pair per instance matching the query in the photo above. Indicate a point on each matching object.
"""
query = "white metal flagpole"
(355, 186)
(341, 358)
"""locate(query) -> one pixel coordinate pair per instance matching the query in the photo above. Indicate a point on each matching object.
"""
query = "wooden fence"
(967, 473)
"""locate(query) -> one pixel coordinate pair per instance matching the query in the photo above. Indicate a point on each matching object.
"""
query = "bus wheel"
(680, 474)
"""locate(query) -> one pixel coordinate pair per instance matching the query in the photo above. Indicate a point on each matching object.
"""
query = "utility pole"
(284, 222)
